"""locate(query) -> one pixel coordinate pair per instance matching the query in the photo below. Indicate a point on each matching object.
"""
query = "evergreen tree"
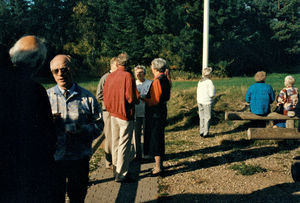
(89, 18)
(286, 26)
(124, 32)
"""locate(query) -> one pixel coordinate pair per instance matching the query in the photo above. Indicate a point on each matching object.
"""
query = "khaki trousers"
(108, 139)
(121, 145)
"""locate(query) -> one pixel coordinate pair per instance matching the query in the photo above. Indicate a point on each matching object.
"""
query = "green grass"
(235, 84)
(94, 161)
(244, 169)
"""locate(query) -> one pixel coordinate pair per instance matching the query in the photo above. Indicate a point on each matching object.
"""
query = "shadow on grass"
(284, 192)
(240, 128)
(192, 118)
(225, 146)
(240, 153)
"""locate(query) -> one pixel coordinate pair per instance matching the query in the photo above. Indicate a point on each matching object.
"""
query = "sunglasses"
(62, 70)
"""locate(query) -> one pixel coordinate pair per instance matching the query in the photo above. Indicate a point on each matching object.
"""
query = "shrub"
(244, 169)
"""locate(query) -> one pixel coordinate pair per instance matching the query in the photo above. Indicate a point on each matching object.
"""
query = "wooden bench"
(290, 132)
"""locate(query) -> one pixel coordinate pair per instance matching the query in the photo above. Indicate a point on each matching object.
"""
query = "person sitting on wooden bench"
(260, 96)
(288, 97)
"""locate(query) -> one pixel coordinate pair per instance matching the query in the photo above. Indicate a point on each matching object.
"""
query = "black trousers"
(72, 176)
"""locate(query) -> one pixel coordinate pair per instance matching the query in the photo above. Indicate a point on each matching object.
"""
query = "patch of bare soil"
(198, 169)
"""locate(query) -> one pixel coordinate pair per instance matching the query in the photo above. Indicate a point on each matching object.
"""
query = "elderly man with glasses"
(78, 120)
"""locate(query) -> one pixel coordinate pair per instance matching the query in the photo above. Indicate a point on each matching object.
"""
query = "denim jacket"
(81, 111)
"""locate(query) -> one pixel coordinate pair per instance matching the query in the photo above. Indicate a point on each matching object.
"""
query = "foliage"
(245, 35)
(245, 170)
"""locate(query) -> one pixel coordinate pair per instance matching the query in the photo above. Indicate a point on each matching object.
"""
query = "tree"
(124, 30)
(89, 17)
(286, 26)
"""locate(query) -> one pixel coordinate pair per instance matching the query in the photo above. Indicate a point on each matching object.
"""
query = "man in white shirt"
(205, 94)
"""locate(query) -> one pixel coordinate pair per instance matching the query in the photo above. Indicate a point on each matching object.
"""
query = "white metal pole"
(205, 34)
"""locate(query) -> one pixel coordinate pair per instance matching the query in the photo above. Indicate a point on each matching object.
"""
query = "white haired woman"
(156, 114)
(288, 96)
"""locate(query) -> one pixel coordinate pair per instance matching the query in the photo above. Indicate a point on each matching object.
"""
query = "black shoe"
(201, 135)
(126, 179)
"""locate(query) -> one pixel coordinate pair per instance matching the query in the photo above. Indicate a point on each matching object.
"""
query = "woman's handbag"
(279, 109)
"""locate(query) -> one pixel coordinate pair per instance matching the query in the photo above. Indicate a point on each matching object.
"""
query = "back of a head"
(289, 81)
(123, 59)
(260, 76)
(206, 72)
(28, 52)
(113, 64)
(159, 64)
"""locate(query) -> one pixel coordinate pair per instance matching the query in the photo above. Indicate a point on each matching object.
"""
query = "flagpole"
(205, 34)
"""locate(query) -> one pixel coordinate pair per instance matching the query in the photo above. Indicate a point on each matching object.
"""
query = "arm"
(155, 93)
(248, 96)
(272, 95)
(130, 90)
(211, 89)
(100, 87)
(281, 97)
(95, 126)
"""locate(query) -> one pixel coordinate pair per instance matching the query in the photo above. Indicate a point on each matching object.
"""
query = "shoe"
(159, 173)
(201, 135)
(207, 135)
(109, 167)
(126, 179)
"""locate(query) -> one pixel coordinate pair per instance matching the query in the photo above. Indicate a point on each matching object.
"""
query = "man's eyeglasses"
(62, 70)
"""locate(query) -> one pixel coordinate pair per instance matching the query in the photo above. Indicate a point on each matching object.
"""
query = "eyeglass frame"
(63, 70)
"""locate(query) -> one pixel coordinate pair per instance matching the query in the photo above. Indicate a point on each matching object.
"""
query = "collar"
(72, 90)
(158, 75)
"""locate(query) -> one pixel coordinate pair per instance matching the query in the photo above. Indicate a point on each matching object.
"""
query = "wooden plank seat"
(273, 133)
(232, 115)
(290, 132)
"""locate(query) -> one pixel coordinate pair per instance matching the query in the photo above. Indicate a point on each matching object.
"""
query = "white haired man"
(119, 99)
(26, 128)
(78, 120)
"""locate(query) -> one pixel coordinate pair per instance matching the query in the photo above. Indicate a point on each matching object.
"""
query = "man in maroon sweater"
(119, 99)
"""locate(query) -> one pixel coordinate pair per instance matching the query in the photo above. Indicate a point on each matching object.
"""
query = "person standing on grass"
(205, 94)
(143, 86)
(260, 95)
(26, 127)
(78, 121)
(156, 114)
(119, 99)
(106, 115)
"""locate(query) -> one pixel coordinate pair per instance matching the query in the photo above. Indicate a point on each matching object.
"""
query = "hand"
(56, 118)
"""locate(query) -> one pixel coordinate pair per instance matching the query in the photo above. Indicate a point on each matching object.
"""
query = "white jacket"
(205, 91)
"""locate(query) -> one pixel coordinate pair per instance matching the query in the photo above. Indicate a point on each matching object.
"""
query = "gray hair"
(123, 59)
(289, 81)
(140, 67)
(159, 64)
(31, 53)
